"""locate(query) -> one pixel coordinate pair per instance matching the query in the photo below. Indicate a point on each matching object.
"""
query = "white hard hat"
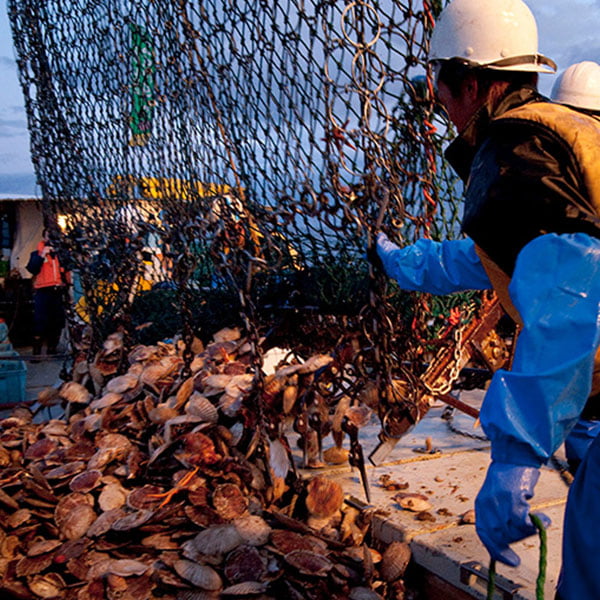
(496, 34)
(579, 86)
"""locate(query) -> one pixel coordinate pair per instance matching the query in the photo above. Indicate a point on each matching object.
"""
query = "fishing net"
(217, 162)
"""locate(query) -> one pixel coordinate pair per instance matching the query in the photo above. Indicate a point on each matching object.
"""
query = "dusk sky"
(568, 32)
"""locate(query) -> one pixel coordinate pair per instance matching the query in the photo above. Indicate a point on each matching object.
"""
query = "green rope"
(541, 578)
(491, 586)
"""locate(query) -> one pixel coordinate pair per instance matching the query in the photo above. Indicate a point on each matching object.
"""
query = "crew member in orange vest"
(49, 285)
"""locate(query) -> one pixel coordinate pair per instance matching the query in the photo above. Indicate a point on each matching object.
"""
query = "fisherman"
(532, 197)
(578, 86)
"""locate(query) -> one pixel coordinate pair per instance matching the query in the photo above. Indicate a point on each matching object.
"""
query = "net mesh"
(227, 162)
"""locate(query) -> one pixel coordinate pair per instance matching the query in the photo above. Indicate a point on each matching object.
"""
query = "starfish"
(179, 486)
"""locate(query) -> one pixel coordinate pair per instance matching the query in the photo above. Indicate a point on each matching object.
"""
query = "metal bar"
(459, 404)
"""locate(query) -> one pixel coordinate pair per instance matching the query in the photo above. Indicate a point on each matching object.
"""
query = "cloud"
(7, 63)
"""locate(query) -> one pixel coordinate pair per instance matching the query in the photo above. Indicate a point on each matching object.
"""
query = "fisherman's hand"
(502, 509)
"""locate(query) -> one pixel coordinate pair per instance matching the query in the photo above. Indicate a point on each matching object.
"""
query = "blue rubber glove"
(502, 509)
(434, 267)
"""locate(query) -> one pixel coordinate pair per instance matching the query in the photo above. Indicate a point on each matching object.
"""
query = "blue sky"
(568, 32)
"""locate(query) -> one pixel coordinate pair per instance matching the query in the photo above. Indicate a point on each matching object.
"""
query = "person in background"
(578, 87)
(49, 286)
(531, 217)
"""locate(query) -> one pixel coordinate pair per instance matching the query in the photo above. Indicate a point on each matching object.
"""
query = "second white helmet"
(496, 34)
(579, 86)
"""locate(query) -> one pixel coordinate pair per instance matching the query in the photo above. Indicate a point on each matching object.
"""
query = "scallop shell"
(203, 576)
(86, 481)
(229, 501)
(19, 517)
(253, 529)
(201, 449)
(50, 585)
(244, 564)
(314, 363)
(77, 522)
(324, 497)
(104, 522)
(309, 563)
(335, 455)
(141, 498)
(413, 502)
(43, 546)
(132, 520)
(240, 384)
(124, 567)
(246, 588)
(113, 495)
(278, 458)
(74, 514)
(200, 406)
(161, 413)
(161, 541)
(153, 374)
(108, 399)
(227, 334)
(217, 539)
(287, 541)
(113, 343)
(394, 561)
(359, 415)
(468, 518)
(72, 391)
(55, 427)
(32, 565)
(215, 384)
(67, 470)
(183, 393)
(40, 449)
(142, 353)
(230, 406)
(122, 383)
